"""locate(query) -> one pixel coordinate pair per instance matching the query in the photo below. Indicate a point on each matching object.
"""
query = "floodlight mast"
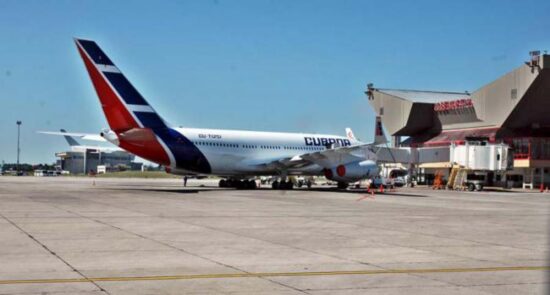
(18, 148)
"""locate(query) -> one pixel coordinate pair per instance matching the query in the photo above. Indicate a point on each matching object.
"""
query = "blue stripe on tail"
(187, 155)
(97, 55)
(150, 120)
(125, 89)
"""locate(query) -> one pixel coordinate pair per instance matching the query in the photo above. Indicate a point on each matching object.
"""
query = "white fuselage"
(239, 152)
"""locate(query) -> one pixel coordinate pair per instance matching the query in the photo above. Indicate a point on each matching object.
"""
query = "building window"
(514, 93)
(381, 111)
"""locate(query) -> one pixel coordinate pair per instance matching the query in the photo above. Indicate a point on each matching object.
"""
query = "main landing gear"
(342, 185)
(285, 185)
(238, 184)
(251, 184)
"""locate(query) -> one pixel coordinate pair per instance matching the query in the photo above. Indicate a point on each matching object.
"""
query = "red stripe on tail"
(144, 143)
(116, 113)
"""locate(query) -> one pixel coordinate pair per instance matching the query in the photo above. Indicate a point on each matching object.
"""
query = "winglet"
(349, 134)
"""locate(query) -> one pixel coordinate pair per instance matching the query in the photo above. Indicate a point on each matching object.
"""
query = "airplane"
(77, 147)
(235, 155)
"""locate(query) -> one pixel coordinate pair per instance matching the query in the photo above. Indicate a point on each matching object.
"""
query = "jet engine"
(352, 172)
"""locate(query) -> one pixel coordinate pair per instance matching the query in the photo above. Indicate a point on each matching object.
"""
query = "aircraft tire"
(342, 185)
(240, 184)
(286, 185)
(290, 185)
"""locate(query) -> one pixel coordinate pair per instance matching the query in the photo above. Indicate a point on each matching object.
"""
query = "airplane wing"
(281, 163)
(84, 136)
(325, 158)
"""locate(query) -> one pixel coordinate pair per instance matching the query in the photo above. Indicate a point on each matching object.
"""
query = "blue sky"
(258, 65)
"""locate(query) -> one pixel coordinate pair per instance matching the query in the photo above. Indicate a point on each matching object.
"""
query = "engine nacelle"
(352, 172)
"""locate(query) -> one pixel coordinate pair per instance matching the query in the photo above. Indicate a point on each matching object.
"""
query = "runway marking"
(273, 274)
(366, 196)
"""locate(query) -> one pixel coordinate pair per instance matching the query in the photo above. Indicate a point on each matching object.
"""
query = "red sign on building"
(453, 105)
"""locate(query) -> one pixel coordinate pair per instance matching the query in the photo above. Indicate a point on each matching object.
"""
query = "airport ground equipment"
(459, 182)
(452, 176)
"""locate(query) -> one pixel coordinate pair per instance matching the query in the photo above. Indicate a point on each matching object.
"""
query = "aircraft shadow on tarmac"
(363, 191)
(161, 190)
(194, 190)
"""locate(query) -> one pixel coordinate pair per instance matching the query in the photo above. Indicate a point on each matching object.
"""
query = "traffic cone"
(382, 188)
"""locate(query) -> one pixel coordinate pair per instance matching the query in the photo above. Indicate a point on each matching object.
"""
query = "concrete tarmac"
(69, 235)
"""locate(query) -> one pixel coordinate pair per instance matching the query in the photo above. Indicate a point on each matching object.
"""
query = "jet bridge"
(487, 156)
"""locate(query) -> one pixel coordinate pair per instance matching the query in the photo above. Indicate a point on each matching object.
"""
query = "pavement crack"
(54, 254)
(178, 249)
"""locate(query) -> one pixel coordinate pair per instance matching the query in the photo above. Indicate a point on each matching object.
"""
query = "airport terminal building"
(514, 109)
(87, 161)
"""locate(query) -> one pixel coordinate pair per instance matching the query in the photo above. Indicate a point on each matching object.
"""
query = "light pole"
(18, 149)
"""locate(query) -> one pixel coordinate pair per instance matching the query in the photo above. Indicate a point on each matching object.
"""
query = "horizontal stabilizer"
(84, 136)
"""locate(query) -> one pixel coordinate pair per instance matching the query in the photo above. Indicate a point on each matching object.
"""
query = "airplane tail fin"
(135, 125)
(379, 137)
(69, 139)
(123, 105)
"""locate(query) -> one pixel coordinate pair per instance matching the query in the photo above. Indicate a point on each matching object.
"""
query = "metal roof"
(425, 96)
